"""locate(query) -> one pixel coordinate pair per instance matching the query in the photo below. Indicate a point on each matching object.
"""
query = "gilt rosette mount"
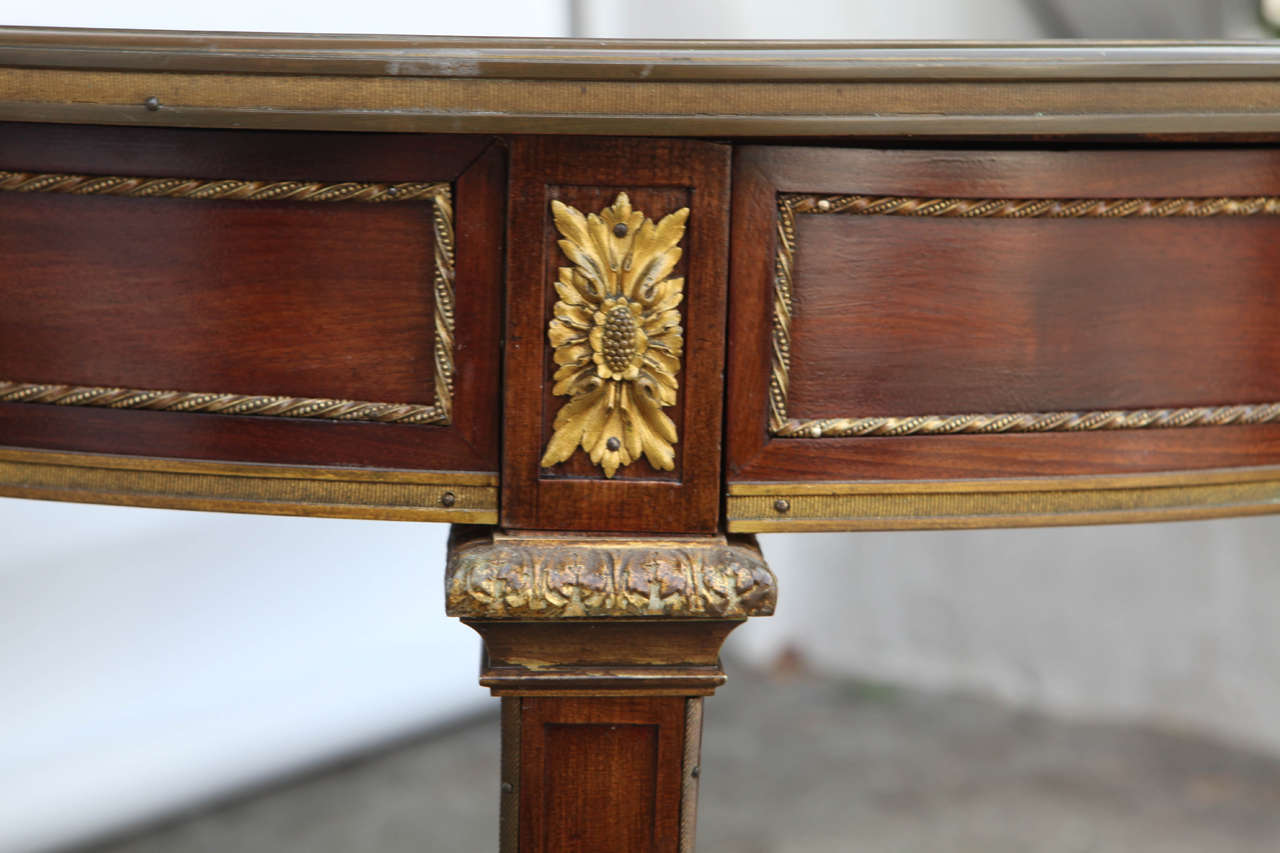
(616, 336)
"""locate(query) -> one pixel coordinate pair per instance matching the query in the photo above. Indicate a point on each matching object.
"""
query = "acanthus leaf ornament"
(617, 336)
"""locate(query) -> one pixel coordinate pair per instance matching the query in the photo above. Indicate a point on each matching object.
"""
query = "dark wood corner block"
(616, 298)
(921, 319)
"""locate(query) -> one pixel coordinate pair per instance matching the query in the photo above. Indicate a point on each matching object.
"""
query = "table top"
(883, 285)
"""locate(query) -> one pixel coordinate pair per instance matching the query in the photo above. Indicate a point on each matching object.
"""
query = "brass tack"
(448, 499)
(152, 103)
(782, 505)
(507, 787)
(613, 443)
(620, 230)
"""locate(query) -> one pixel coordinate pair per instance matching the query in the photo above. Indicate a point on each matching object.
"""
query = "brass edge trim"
(1161, 479)
(509, 577)
(631, 59)
(245, 487)
(439, 194)
(1224, 124)
(690, 771)
(790, 205)
(513, 105)
(243, 469)
(510, 768)
(1008, 503)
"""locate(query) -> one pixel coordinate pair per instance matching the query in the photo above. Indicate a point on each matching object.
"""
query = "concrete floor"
(797, 764)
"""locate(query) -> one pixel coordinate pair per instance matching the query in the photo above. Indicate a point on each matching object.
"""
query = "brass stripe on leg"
(692, 771)
(509, 796)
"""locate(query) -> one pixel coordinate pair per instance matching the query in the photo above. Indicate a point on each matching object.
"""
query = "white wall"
(150, 659)
(1172, 624)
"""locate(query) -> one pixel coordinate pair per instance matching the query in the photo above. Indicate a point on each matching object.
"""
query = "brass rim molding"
(791, 205)
(437, 194)
(1002, 502)
(391, 494)
(617, 336)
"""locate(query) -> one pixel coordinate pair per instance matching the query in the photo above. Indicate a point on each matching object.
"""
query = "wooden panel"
(601, 774)
(328, 300)
(659, 177)
(278, 298)
(897, 316)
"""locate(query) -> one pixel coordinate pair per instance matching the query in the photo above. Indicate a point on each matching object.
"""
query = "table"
(612, 308)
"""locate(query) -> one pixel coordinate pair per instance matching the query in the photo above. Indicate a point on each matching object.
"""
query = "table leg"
(602, 650)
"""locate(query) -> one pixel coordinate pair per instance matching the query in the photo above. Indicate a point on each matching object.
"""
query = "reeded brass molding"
(1002, 502)
(390, 494)
(438, 194)
(791, 205)
(499, 576)
(617, 336)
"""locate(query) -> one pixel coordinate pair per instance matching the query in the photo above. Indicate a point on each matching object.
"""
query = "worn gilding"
(497, 576)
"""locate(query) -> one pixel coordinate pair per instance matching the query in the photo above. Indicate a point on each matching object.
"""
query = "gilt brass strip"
(438, 194)
(459, 496)
(762, 507)
(791, 205)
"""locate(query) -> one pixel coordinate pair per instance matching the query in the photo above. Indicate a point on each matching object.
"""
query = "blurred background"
(218, 682)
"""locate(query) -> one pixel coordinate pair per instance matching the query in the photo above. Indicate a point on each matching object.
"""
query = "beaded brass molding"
(438, 194)
(499, 576)
(791, 205)
(617, 336)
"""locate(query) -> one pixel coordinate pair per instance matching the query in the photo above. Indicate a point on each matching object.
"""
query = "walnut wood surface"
(272, 298)
(896, 316)
(929, 316)
(588, 173)
(601, 774)
(256, 298)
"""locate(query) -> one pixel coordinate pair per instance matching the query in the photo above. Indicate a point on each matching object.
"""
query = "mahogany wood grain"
(263, 297)
(278, 298)
(601, 774)
(589, 174)
(901, 316)
(904, 316)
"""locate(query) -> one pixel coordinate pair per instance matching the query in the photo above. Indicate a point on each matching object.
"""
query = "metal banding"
(223, 404)
(438, 194)
(1111, 419)
(792, 204)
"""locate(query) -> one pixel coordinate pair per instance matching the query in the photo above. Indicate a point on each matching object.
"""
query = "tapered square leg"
(602, 650)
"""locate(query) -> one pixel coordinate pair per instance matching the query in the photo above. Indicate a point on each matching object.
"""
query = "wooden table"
(612, 308)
